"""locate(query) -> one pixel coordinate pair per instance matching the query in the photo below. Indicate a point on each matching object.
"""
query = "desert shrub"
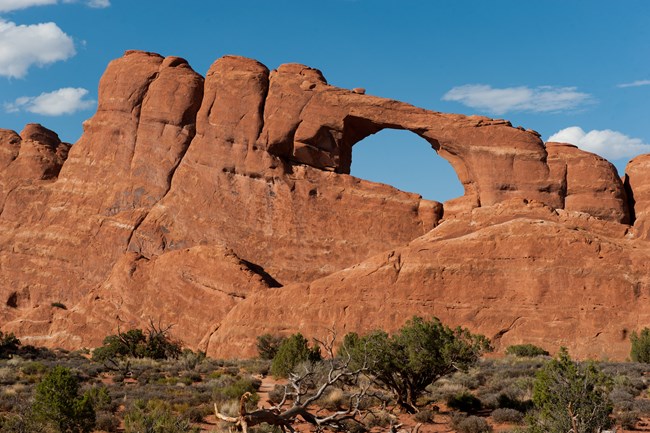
(276, 394)
(107, 422)
(58, 305)
(621, 398)
(425, 416)
(100, 398)
(229, 388)
(377, 419)
(526, 350)
(268, 345)
(156, 416)
(640, 351)
(57, 401)
(420, 353)
(191, 359)
(642, 407)
(568, 396)
(464, 402)
(627, 419)
(470, 424)
(9, 345)
(507, 415)
(292, 352)
(155, 343)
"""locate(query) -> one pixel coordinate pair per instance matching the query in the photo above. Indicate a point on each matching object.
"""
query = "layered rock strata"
(224, 205)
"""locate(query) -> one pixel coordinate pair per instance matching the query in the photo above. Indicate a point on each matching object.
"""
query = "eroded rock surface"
(224, 205)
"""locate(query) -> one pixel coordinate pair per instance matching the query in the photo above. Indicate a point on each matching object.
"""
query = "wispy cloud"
(12, 5)
(63, 101)
(636, 83)
(606, 143)
(98, 4)
(499, 101)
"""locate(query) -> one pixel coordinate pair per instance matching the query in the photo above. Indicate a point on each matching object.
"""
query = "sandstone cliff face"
(224, 205)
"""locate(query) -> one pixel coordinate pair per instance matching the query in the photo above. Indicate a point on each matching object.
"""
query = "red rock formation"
(207, 195)
(589, 182)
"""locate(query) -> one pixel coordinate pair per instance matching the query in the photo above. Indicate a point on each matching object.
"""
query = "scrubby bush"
(627, 419)
(526, 350)
(9, 345)
(640, 351)
(268, 345)
(568, 396)
(425, 416)
(420, 353)
(464, 402)
(506, 415)
(155, 343)
(470, 424)
(57, 401)
(292, 352)
(156, 416)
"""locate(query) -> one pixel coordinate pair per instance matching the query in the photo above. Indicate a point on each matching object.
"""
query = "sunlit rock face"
(224, 205)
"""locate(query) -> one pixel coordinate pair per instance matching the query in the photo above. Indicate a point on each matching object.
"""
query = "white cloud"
(99, 4)
(636, 83)
(500, 101)
(12, 5)
(22, 46)
(63, 101)
(606, 143)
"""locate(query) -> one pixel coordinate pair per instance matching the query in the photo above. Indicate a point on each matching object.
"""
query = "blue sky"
(576, 70)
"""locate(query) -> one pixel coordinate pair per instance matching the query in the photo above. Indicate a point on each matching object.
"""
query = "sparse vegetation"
(640, 351)
(154, 343)
(180, 392)
(268, 345)
(570, 397)
(9, 344)
(57, 401)
(420, 353)
(526, 350)
(291, 352)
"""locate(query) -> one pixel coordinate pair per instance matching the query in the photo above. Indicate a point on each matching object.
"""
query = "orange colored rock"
(516, 273)
(589, 182)
(224, 205)
(637, 182)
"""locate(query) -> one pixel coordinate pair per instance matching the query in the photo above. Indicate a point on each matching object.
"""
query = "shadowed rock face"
(224, 205)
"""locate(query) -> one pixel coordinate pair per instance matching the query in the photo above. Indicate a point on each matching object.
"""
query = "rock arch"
(405, 161)
(310, 122)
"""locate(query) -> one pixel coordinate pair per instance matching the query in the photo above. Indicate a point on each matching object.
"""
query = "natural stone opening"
(404, 160)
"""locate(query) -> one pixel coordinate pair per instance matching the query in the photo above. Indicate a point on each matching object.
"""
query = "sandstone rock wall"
(225, 205)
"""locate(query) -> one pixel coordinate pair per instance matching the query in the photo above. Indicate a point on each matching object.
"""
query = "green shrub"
(107, 422)
(57, 401)
(640, 351)
(420, 353)
(464, 402)
(568, 396)
(9, 345)
(233, 388)
(156, 416)
(268, 345)
(526, 350)
(292, 352)
(135, 343)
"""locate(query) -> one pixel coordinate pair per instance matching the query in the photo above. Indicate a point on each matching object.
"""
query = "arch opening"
(406, 161)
